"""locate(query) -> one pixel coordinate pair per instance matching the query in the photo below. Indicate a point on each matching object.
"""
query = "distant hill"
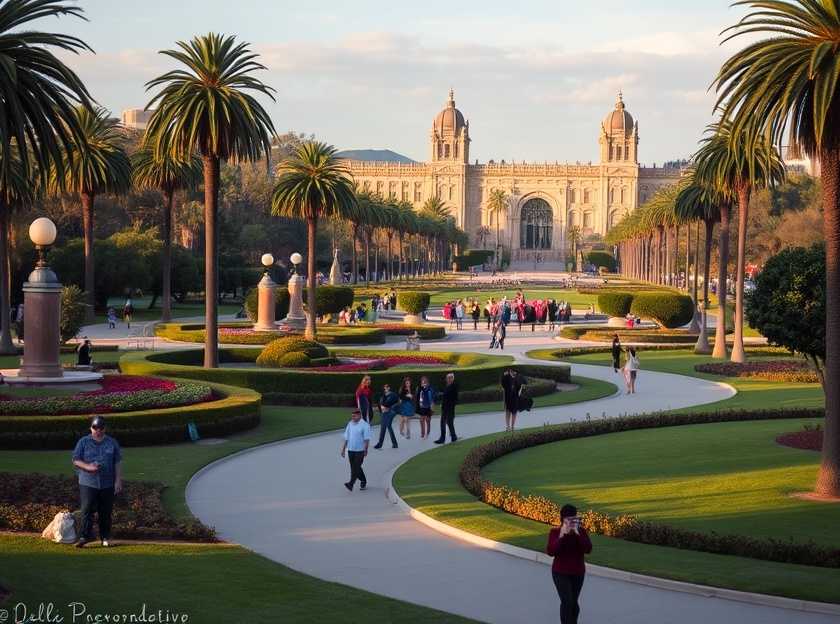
(379, 155)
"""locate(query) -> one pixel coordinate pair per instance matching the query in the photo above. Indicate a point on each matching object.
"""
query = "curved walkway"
(286, 501)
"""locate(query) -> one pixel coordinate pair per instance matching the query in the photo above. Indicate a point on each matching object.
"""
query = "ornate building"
(545, 200)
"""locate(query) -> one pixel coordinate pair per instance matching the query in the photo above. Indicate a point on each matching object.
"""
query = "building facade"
(136, 118)
(545, 200)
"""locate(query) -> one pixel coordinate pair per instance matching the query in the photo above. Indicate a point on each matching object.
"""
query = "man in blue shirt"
(98, 460)
(356, 441)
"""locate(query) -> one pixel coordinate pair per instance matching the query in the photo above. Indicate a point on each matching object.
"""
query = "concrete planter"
(617, 321)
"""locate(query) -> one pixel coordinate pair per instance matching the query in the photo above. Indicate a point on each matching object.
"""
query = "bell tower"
(450, 136)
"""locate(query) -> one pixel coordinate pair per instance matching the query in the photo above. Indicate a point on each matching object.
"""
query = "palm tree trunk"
(688, 259)
(828, 477)
(211, 261)
(87, 220)
(675, 279)
(166, 282)
(738, 354)
(7, 347)
(311, 283)
(355, 261)
(702, 345)
(367, 257)
(723, 265)
(389, 257)
(400, 258)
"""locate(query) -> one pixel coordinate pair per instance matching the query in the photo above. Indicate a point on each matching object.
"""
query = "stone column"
(265, 304)
(41, 318)
(296, 319)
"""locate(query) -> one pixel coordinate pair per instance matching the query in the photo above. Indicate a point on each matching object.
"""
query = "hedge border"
(194, 332)
(627, 527)
(237, 409)
(648, 334)
(473, 369)
(557, 355)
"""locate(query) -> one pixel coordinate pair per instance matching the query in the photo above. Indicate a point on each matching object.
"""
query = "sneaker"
(395, 446)
(363, 486)
(348, 486)
(106, 543)
(439, 441)
(377, 446)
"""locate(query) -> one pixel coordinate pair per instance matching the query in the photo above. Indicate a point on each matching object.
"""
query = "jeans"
(568, 588)
(101, 502)
(447, 419)
(356, 458)
(387, 420)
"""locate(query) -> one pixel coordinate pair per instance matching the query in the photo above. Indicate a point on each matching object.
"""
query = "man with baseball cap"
(98, 460)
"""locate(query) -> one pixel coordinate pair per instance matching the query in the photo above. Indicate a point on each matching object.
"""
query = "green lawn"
(588, 390)
(179, 310)
(752, 394)
(430, 483)
(573, 296)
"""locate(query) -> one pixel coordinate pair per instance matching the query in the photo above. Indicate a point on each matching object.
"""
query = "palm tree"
(209, 108)
(497, 203)
(436, 213)
(94, 163)
(313, 184)
(37, 97)
(736, 165)
(405, 223)
(363, 213)
(168, 175)
(575, 236)
(787, 83)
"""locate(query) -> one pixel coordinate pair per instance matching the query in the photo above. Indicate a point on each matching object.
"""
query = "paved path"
(286, 501)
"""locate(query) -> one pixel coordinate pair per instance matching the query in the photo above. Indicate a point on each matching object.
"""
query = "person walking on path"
(568, 544)
(387, 405)
(459, 314)
(425, 403)
(364, 399)
(475, 313)
(511, 389)
(552, 314)
(406, 396)
(112, 318)
(631, 369)
(128, 312)
(83, 353)
(447, 410)
(616, 353)
(98, 460)
(356, 441)
(501, 334)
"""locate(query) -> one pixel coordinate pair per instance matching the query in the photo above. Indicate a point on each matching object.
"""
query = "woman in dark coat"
(616, 353)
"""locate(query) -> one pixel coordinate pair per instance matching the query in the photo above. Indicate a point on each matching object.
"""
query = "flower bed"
(790, 370)
(28, 502)
(119, 393)
(807, 440)
(382, 363)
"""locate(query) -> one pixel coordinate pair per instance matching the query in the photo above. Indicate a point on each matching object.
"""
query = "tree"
(786, 84)
(209, 108)
(313, 184)
(497, 203)
(574, 235)
(788, 303)
(168, 175)
(38, 91)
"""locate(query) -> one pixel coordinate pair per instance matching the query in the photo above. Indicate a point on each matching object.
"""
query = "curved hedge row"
(474, 371)
(237, 409)
(605, 334)
(627, 527)
(667, 309)
(615, 303)
(228, 334)
(555, 355)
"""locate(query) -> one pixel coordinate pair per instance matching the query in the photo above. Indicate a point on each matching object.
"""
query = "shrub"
(789, 370)
(666, 309)
(274, 351)
(627, 527)
(295, 359)
(281, 303)
(559, 354)
(72, 311)
(331, 299)
(601, 259)
(615, 303)
(413, 302)
(426, 332)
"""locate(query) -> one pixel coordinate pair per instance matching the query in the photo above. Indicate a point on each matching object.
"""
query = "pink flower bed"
(795, 371)
(382, 363)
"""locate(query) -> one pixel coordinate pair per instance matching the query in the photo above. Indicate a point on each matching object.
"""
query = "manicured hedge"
(601, 259)
(426, 332)
(667, 309)
(328, 300)
(615, 303)
(413, 302)
(605, 334)
(281, 303)
(327, 334)
(237, 409)
(473, 370)
(564, 352)
(627, 527)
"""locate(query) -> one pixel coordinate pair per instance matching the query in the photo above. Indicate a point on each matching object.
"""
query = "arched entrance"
(536, 224)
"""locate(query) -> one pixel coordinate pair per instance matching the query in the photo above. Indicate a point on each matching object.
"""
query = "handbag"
(525, 403)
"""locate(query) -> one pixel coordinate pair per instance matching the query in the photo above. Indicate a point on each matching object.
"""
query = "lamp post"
(265, 297)
(42, 309)
(295, 320)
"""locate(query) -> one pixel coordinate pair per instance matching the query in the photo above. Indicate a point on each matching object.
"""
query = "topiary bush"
(601, 259)
(666, 309)
(72, 312)
(414, 302)
(296, 359)
(281, 303)
(331, 299)
(615, 303)
(272, 354)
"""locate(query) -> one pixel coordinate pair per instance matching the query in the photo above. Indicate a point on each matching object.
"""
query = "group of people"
(630, 369)
(127, 314)
(456, 311)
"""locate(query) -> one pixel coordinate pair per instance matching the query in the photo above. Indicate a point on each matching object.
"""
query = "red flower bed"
(382, 363)
(806, 440)
(791, 370)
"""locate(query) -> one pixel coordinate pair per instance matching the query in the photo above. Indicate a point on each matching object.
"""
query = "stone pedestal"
(617, 321)
(296, 319)
(335, 270)
(41, 317)
(265, 305)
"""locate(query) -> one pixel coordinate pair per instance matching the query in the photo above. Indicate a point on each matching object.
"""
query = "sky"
(534, 78)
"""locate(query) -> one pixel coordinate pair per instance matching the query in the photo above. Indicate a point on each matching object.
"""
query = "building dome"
(618, 119)
(450, 119)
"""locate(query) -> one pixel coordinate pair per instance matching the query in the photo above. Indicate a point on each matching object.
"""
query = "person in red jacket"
(568, 544)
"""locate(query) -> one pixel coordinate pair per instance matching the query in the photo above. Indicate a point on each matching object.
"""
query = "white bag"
(62, 529)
